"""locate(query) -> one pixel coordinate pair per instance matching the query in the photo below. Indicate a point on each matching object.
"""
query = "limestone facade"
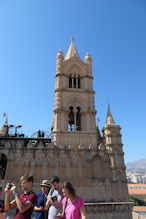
(94, 163)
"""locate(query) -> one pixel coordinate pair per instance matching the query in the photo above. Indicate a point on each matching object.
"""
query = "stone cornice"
(112, 144)
(67, 76)
(110, 127)
(62, 109)
(74, 90)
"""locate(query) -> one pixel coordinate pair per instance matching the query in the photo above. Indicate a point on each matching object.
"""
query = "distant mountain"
(136, 166)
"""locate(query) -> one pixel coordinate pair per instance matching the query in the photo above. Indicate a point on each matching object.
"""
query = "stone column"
(75, 122)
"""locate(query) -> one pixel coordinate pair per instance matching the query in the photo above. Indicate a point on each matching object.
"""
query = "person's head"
(46, 186)
(68, 190)
(55, 182)
(26, 182)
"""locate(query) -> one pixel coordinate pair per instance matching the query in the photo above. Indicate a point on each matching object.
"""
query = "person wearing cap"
(40, 209)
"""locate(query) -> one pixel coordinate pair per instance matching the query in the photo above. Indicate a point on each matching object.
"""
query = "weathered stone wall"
(88, 169)
(111, 210)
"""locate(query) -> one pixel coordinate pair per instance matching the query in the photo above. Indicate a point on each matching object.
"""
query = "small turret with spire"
(4, 130)
(111, 131)
(109, 119)
(88, 61)
(59, 62)
(114, 146)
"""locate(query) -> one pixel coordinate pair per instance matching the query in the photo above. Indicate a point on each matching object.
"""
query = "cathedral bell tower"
(74, 122)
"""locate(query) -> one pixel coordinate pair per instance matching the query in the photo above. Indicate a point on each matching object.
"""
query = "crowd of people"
(55, 201)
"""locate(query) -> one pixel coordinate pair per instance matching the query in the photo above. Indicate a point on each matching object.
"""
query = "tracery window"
(70, 81)
(74, 119)
(71, 119)
(3, 164)
(74, 81)
(78, 119)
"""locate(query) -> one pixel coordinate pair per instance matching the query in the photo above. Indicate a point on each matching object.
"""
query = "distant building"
(77, 153)
(138, 190)
(139, 212)
(137, 177)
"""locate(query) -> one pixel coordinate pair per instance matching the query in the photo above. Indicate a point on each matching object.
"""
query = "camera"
(10, 186)
(54, 198)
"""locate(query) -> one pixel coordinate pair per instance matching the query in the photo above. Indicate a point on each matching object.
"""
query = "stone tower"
(114, 148)
(78, 153)
(74, 110)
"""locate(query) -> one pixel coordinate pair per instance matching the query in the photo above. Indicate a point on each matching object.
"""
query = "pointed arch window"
(74, 81)
(79, 83)
(71, 119)
(70, 81)
(78, 119)
(3, 164)
(74, 119)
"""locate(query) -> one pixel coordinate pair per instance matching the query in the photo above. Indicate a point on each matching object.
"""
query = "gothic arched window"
(3, 164)
(71, 119)
(74, 81)
(79, 83)
(78, 119)
(70, 81)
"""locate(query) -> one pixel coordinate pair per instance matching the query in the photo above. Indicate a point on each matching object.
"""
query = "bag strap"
(51, 193)
(65, 207)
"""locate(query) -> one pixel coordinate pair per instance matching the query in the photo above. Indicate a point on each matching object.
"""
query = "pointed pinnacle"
(109, 119)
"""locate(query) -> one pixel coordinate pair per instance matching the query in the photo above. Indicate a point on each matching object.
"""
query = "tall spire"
(109, 119)
(4, 130)
(72, 51)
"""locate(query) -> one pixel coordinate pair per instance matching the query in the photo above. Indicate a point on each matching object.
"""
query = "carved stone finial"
(88, 58)
(60, 55)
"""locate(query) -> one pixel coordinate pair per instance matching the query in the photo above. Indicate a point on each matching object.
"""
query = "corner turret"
(4, 130)
(88, 61)
(109, 119)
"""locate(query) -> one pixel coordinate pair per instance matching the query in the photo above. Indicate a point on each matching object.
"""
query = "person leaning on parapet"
(54, 199)
(24, 202)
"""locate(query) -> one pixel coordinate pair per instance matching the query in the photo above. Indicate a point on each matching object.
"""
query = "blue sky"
(112, 31)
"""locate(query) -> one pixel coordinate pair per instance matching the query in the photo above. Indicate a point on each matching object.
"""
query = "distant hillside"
(136, 166)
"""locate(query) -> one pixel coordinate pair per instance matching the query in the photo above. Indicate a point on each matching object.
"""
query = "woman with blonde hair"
(73, 206)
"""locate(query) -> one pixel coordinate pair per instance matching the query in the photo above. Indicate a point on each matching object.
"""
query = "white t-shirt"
(53, 210)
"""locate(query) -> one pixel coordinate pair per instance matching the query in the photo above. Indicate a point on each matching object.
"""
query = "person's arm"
(8, 205)
(59, 216)
(59, 205)
(39, 208)
(83, 213)
(48, 203)
(22, 206)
